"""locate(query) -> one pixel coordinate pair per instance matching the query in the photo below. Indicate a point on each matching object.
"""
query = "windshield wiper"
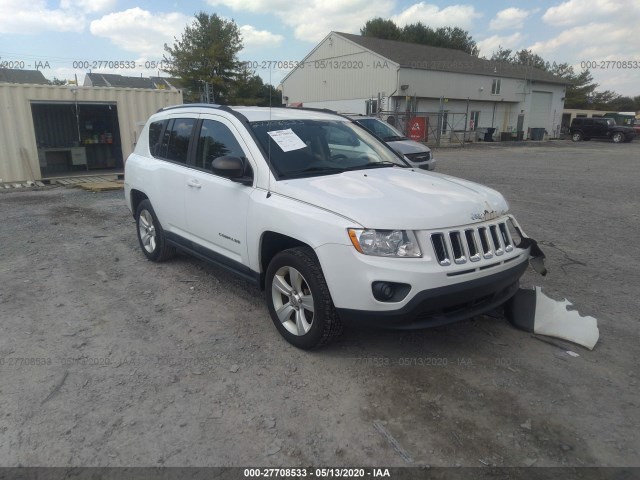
(375, 165)
(323, 170)
(394, 138)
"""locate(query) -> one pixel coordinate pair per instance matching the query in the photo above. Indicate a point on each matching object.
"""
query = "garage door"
(540, 110)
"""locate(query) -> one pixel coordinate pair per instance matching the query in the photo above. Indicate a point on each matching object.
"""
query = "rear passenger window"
(176, 139)
(216, 140)
(155, 130)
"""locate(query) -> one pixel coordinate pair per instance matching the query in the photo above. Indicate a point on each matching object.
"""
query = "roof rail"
(187, 105)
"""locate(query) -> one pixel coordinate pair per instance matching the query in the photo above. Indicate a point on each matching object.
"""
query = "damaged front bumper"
(536, 255)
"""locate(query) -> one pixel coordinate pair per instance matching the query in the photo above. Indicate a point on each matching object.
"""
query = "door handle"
(194, 184)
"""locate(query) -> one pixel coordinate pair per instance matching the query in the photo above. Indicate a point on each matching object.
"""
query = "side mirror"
(232, 168)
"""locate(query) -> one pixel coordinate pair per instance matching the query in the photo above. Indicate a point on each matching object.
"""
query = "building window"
(473, 120)
(495, 86)
(371, 107)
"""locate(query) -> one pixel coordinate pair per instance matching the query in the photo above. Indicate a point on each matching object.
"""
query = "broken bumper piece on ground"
(533, 311)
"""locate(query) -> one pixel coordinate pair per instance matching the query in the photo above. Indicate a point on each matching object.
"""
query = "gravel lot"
(111, 360)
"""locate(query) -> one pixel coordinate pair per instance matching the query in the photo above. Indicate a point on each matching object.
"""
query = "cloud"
(88, 6)
(313, 20)
(253, 38)
(490, 44)
(34, 17)
(256, 6)
(509, 18)
(580, 40)
(597, 42)
(575, 12)
(141, 31)
(452, 16)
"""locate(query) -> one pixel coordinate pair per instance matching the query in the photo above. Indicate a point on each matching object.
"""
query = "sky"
(63, 38)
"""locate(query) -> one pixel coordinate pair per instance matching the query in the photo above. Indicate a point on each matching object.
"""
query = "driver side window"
(216, 140)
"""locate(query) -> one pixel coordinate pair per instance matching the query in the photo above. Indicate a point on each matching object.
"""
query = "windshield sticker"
(287, 140)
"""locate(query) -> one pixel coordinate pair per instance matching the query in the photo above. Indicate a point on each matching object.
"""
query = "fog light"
(383, 291)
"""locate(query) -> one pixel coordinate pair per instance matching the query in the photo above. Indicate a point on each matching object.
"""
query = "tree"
(56, 81)
(205, 54)
(503, 55)
(623, 104)
(381, 28)
(522, 57)
(527, 57)
(446, 37)
(249, 89)
(580, 88)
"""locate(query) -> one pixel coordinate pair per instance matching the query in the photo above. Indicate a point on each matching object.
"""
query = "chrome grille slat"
(508, 242)
(457, 248)
(472, 244)
(495, 239)
(440, 249)
(487, 252)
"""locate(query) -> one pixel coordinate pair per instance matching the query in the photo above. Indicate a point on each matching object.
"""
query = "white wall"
(338, 69)
(426, 83)
(357, 105)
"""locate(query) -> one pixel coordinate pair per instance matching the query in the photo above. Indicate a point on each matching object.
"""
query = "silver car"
(417, 154)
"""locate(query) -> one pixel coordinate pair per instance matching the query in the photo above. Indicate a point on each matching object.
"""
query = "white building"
(351, 74)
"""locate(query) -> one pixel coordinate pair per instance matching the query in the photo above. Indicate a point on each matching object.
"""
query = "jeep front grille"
(472, 244)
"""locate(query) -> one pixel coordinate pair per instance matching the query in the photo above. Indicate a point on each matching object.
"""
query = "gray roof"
(167, 82)
(426, 57)
(114, 80)
(11, 75)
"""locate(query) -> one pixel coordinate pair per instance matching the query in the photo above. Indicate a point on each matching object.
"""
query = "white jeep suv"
(332, 223)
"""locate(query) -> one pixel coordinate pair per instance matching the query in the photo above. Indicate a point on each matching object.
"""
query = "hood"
(408, 146)
(398, 198)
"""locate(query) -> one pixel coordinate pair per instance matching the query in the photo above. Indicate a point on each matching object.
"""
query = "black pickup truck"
(604, 128)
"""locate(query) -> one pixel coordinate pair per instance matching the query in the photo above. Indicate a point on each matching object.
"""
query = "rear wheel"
(150, 234)
(299, 301)
(576, 137)
(618, 137)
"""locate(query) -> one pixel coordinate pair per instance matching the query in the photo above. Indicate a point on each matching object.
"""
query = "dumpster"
(537, 134)
(488, 137)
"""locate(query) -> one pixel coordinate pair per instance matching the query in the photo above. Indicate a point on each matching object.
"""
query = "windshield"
(381, 129)
(299, 148)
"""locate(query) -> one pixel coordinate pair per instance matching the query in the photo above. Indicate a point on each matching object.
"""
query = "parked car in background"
(600, 127)
(418, 154)
(627, 119)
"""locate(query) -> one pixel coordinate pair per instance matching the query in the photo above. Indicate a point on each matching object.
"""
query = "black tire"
(618, 137)
(158, 250)
(322, 321)
(576, 136)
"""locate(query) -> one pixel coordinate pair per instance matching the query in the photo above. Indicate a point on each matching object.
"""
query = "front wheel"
(299, 301)
(576, 137)
(150, 234)
(617, 137)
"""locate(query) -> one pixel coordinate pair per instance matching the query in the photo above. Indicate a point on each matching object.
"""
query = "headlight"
(385, 243)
